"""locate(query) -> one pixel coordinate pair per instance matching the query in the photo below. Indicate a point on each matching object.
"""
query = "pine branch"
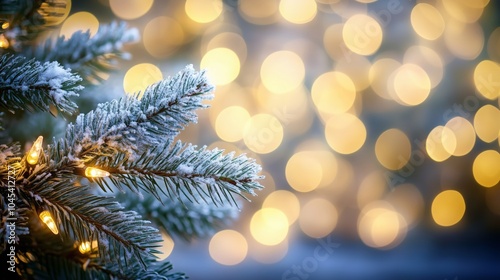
(88, 56)
(130, 126)
(123, 237)
(181, 218)
(29, 84)
(184, 171)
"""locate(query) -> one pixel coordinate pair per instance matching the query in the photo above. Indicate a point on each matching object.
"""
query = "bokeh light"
(228, 247)
(408, 201)
(345, 133)
(486, 168)
(222, 64)
(269, 226)
(393, 149)
(440, 143)
(263, 133)
(167, 246)
(303, 172)
(362, 34)
(486, 77)
(412, 85)
(228, 123)
(81, 21)
(140, 76)
(130, 9)
(298, 11)
(333, 92)
(380, 72)
(282, 71)
(318, 218)
(487, 123)
(162, 36)
(285, 201)
(259, 11)
(427, 21)
(204, 11)
(448, 208)
(464, 134)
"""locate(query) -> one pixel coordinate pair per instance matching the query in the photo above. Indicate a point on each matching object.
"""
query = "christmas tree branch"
(89, 56)
(29, 84)
(185, 171)
(180, 217)
(130, 125)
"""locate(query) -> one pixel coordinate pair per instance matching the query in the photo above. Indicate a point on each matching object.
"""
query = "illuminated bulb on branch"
(93, 172)
(49, 221)
(34, 153)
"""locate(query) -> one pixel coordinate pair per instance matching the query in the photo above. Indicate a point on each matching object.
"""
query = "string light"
(4, 43)
(49, 221)
(87, 246)
(5, 25)
(93, 172)
(34, 153)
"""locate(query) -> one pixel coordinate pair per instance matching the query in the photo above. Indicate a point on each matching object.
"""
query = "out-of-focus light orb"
(269, 226)
(457, 33)
(440, 141)
(486, 168)
(228, 124)
(487, 123)
(408, 201)
(448, 208)
(428, 60)
(259, 11)
(393, 149)
(140, 76)
(228, 247)
(282, 71)
(411, 85)
(464, 134)
(263, 133)
(371, 188)
(465, 10)
(130, 9)
(333, 92)
(222, 64)
(345, 133)
(427, 21)
(203, 11)
(285, 201)
(380, 226)
(303, 172)
(167, 246)
(334, 43)
(362, 34)
(82, 21)
(162, 36)
(357, 67)
(298, 11)
(318, 218)
(486, 79)
(231, 41)
(380, 72)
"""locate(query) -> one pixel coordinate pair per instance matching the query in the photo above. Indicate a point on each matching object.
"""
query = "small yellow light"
(5, 25)
(34, 153)
(4, 43)
(93, 172)
(87, 246)
(49, 221)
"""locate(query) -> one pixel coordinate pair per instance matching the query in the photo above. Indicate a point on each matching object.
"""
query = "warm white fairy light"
(49, 221)
(93, 172)
(34, 153)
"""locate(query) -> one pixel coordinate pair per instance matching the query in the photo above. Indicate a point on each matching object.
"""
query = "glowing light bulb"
(49, 221)
(34, 153)
(5, 25)
(87, 246)
(93, 172)
(4, 43)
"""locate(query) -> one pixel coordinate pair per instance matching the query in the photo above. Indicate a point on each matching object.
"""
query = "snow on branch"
(90, 56)
(130, 125)
(185, 171)
(29, 84)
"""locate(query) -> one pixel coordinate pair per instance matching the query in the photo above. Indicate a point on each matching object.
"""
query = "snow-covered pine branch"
(89, 56)
(180, 217)
(122, 236)
(184, 170)
(130, 125)
(29, 84)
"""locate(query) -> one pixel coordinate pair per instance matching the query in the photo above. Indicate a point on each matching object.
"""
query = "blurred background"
(376, 123)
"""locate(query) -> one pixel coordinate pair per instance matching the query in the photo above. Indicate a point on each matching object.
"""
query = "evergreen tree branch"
(130, 125)
(180, 217)
(29, 84)
(123, 237)
(88, 56)
(185, 171)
